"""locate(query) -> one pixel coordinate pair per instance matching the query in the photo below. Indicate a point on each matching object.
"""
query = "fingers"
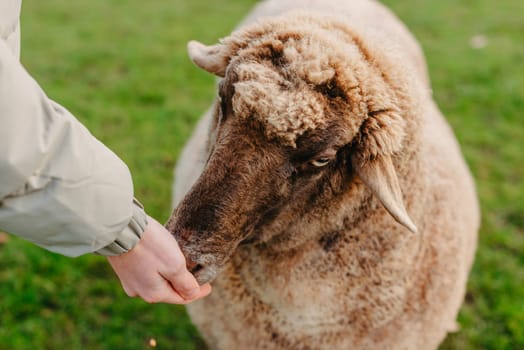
(204, 291)
(161, 291)
(184, 283)
(176, 273)
(155, 269)
(174, 269)
(172, 297)
(166, 294)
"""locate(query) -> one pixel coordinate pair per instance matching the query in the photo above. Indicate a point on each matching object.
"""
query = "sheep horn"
(380, 176)
(213, 58)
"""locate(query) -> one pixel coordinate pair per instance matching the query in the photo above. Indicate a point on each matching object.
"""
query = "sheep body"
(345, 275)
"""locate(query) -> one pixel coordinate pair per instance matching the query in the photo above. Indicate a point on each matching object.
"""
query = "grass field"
(121, 68)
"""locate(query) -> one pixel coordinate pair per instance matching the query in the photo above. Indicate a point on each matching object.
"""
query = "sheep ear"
(213, 59)
(380, 176)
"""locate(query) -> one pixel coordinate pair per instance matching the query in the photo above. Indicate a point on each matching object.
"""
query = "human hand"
(155, 269)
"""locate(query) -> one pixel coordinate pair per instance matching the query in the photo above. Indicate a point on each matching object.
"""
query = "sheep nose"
(193, 266)
(203, 274)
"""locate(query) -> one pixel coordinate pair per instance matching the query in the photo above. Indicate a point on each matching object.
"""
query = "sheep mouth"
(204, 274)
(206, 266)
(203, 269)
(205, 261)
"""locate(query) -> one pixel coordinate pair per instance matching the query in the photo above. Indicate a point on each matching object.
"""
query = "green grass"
(121, 68)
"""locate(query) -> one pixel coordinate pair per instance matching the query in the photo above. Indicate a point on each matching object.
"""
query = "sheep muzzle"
(222, 209)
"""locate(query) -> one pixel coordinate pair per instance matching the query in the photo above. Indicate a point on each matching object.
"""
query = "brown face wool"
(317, 193)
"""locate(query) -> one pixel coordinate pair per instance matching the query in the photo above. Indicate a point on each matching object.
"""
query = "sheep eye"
(320, 162)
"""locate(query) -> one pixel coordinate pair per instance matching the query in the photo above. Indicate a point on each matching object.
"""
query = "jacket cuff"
(129, 237)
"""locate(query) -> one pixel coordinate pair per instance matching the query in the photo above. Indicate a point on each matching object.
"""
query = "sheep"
(323, 193)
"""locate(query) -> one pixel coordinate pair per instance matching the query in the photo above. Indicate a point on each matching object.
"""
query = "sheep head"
(301, 113)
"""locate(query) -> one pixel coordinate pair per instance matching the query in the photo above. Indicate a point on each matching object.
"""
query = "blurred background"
(122, 69)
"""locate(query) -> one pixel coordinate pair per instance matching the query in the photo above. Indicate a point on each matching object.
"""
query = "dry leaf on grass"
(152, 343)
(3, 238)
(478, 41)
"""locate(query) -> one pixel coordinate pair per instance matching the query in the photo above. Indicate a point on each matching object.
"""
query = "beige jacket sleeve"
(59, 186)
